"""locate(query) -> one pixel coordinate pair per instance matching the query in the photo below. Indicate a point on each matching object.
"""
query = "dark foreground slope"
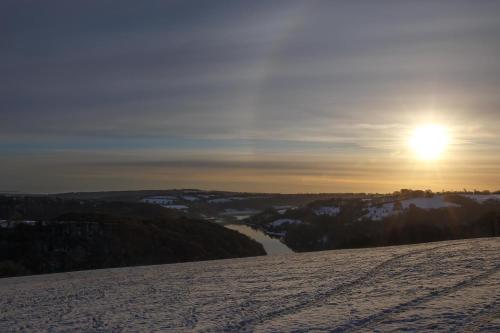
(45, 235)
(449, 286)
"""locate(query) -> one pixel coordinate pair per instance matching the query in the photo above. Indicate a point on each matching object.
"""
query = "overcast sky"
(291, 96)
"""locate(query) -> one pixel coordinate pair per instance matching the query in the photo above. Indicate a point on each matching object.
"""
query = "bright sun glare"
(429, 141)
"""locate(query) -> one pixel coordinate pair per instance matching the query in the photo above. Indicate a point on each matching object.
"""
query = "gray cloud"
(264, 65)
(354, 74)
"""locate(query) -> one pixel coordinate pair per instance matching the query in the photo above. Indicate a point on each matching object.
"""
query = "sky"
(265, 96)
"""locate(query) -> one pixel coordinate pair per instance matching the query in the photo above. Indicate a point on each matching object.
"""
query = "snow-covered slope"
(435, 202)
(447, 286)
(482, 198)
(327, 210)
(280, 222)
(380, 212)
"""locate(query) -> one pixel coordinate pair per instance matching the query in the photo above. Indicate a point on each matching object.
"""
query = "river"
(272, 245)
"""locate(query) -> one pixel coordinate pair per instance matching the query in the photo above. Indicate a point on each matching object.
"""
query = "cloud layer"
(308, 81)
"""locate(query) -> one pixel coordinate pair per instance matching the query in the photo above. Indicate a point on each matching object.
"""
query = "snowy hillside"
(402, 218)
(378, 213)
(446, 286)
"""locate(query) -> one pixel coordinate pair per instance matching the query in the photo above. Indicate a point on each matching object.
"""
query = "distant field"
(443, 286)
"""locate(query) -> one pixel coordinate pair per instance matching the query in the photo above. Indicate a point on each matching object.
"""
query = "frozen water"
(272, 246)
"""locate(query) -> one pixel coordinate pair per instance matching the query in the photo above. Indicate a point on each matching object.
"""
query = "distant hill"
(46, 235)
(220, 206)
(391, 220)
(136, 195)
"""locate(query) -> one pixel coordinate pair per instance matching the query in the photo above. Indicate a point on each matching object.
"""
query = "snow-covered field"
(328, 211)
(280, 222)
(481, 198)
(446, 286)
(378, 213)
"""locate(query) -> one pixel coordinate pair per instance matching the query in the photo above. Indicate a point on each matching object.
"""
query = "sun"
(429, 141)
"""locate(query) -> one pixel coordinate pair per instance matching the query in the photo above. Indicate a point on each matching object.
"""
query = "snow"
(328, 211)
(482, 198)
(249, 211)
(190, 198)
(281, 222)
(159, 200)
(377, 213)
(240, 214)
(283, 209)
(451, 286)
(11, 224)
(30, 222)
(206, 196)
(435, 202)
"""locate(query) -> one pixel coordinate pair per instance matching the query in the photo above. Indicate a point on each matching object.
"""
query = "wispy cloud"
(321, 77)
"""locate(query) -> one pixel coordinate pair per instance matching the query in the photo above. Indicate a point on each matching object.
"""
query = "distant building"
(159, 200)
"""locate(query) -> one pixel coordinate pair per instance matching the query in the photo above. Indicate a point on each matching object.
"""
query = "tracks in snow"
(319, 298)
(384, 314)
(490, 313)
(449, 286)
